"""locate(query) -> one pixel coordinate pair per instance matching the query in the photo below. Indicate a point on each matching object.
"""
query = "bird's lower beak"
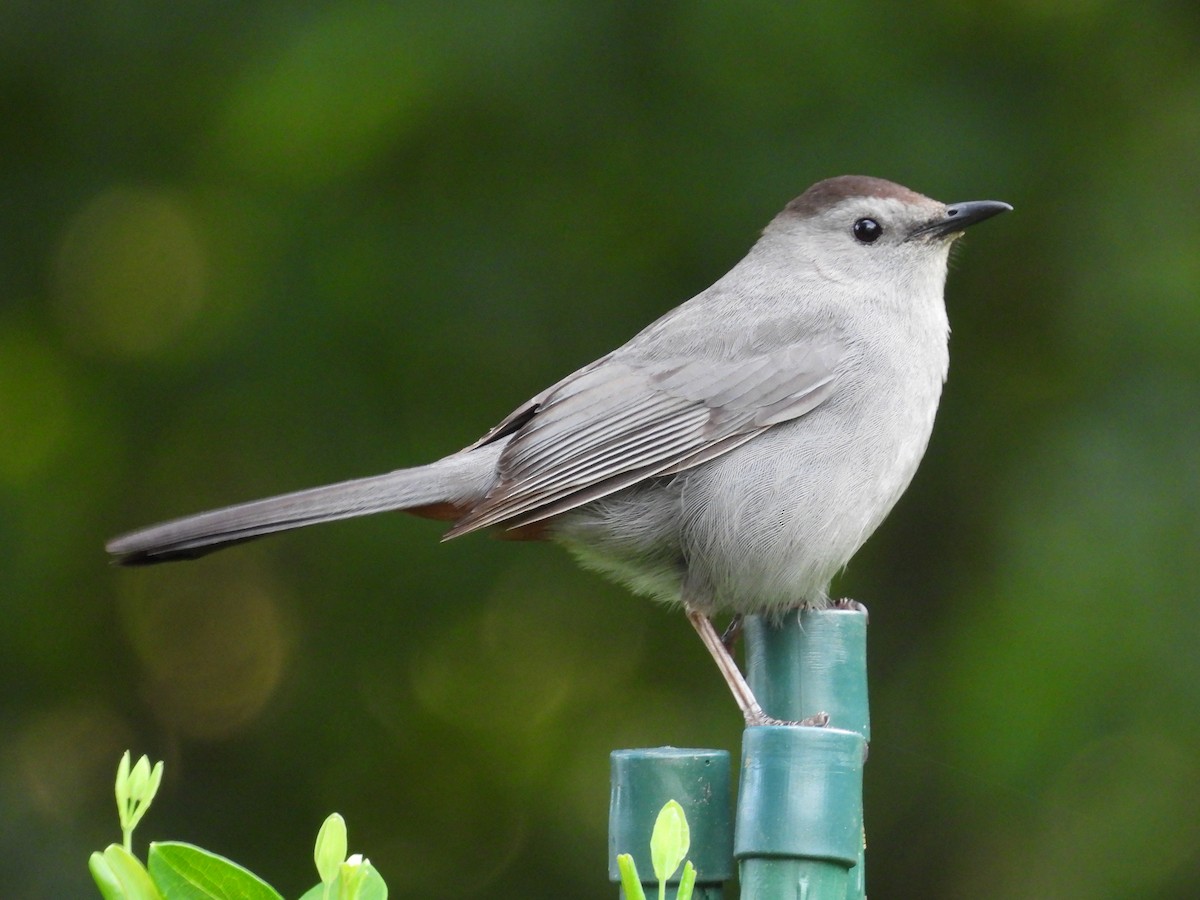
(959, 216)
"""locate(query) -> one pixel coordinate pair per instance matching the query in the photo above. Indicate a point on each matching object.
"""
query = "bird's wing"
(623, 419)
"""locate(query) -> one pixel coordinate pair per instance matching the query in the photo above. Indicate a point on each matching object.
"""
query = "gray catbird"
(733, 455)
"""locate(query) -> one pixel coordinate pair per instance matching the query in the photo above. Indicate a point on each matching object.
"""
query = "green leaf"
(121, 876)
(143, 785)
(670, 840)
(330, 851)
(631, 884)
(106, 879)
(155, 782)
(185, 872)
(135, 788)
(139, 778)
(687, 882)
(371, 888)
(359, 880)
(122, 786)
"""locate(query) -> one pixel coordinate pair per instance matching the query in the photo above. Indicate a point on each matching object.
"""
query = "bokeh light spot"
(543, 643)
(130, 272)
(64, 758)
(213, 644)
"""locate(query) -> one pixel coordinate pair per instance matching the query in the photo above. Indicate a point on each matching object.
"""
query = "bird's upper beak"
(959, 216)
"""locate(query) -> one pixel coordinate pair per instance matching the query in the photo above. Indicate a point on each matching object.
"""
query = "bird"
(732, 456)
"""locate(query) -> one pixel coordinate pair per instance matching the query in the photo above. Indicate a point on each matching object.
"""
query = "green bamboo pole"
(799, 831)
(699, 780)
(812, 661)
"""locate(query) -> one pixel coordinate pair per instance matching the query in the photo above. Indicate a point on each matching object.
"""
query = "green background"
(250, 247)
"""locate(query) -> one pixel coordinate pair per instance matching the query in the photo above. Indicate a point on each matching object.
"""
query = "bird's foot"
(819, 720)
(850, 605)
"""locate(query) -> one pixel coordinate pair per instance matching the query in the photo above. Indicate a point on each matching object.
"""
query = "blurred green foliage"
(251, 247)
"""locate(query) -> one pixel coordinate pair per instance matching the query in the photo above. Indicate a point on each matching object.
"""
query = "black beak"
(959, 216)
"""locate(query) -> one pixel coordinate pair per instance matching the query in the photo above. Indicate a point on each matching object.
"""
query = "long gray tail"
(458, 480)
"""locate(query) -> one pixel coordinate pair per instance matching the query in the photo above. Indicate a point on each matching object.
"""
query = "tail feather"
(460, 479)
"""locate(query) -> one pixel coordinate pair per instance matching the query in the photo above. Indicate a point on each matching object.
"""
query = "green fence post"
(644, 780)
(799, 830)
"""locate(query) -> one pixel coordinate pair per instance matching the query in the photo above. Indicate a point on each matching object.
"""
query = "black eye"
(868, 230)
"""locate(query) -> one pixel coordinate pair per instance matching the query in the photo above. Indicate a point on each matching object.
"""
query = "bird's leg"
(729, 669)
(732, 632)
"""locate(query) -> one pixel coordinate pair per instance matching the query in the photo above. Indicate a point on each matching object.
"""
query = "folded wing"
(624, 419)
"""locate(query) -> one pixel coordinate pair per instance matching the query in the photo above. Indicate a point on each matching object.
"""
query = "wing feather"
(625, 419)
